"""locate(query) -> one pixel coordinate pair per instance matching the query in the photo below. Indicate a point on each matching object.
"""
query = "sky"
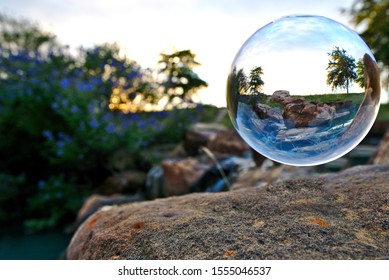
(213, 30)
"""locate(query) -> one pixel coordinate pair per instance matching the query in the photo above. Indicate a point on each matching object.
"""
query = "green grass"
(356, 98)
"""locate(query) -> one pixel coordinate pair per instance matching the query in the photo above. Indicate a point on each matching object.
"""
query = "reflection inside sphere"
(303, 90)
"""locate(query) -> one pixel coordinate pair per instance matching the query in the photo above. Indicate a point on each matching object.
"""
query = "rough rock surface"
(336, 216)
(95, 202)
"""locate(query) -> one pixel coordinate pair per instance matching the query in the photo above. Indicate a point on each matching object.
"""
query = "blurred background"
(94, 93)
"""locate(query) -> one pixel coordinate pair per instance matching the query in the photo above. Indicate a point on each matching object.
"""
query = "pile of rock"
(213, 155)
(298, 112)
(186, 169)
(266, 210)
(337, 216)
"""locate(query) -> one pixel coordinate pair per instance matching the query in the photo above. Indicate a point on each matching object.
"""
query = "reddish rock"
(179, 175)
(300, 113)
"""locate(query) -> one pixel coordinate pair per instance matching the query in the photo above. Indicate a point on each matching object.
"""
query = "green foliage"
(180, 82)
(9, 188)
(340, 69)
(373, 18)
(55, 199)
(360, 71)
(356, 98)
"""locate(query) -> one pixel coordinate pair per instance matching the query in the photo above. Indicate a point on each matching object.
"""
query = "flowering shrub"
(61, 122)
(57, 131)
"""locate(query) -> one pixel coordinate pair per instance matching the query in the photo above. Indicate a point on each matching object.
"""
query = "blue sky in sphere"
(213, 30)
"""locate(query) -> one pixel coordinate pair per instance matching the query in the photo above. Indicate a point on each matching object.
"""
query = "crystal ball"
(303, 90)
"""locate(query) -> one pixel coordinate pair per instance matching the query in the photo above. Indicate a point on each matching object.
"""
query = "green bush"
(55, 125)
(60, 129)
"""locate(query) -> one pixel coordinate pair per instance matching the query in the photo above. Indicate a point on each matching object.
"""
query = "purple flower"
(60, 143)
(65, 102)
(41, 184)
(93, 124)
(110, 128)
(64, 83)
(48, 135)
(107, 117)
(74, 109)
(84, 86)
(152, 121)
(91, 108)
(54, 106)
(141, 124)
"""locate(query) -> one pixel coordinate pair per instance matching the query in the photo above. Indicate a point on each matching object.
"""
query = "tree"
(256, 83)
(241, 80)
(373, 17)
(340, 69)
(360, 70)
(180, 82)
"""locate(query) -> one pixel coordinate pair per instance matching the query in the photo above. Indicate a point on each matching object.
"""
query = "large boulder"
(338, 216)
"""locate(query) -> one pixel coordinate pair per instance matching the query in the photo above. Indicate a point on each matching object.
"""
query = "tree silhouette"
(255, 81)
(180, 82)
(340, 69)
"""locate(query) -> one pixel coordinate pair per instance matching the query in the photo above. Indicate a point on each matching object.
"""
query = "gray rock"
(280, 95)
(337, 216)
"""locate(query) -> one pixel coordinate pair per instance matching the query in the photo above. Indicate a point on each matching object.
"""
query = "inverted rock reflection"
(292, 126)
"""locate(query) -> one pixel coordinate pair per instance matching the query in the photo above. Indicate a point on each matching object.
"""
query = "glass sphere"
(303, 90)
